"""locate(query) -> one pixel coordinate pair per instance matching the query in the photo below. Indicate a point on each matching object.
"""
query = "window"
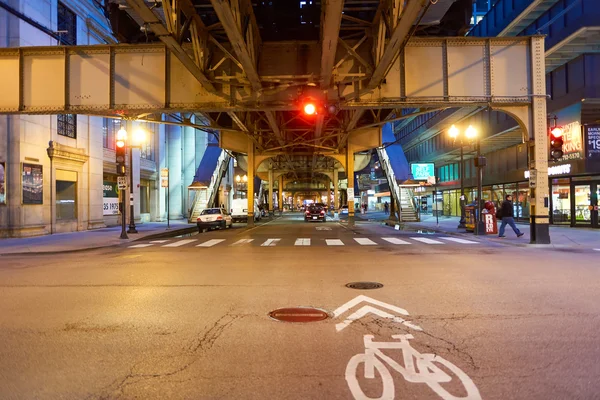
(67, 125)
(109, 129)
(67, 25)
(66, 200)
(2, 183)
(147, 148)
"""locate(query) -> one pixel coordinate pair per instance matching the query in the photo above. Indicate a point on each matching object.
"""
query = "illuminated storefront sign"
(422, 171)
(556, 170)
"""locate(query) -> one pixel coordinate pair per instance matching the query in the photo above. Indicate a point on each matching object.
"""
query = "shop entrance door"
(585, 204)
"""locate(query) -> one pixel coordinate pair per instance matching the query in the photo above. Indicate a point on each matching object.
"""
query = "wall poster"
(33, 184)
(2, 183)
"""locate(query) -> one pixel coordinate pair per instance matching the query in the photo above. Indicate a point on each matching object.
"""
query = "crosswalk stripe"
(302, 242)
(365, 241)
(138, 246)
(334, 242)
(242, 241)
(395, 240)
(426, 241)
(180, 243)
(270, 242)
(457, 240)
(159, 241)
(210, 243)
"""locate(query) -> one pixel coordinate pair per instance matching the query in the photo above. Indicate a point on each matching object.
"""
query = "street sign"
(431, 180)
(350, 192)
(532, 178)
(164, 172)
(122, 182)
(164, 182)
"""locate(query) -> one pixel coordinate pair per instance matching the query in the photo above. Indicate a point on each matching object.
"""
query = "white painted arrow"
(367, 309)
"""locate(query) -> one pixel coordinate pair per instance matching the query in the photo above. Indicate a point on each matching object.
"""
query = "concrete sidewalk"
(92, 239)
(560, 236)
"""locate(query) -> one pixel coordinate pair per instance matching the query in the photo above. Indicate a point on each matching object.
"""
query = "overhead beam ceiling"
(331, 19)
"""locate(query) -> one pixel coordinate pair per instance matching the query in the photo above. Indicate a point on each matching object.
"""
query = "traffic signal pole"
(123, 215)
(132, 228)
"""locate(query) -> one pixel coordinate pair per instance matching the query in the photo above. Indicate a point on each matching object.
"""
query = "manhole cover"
(299, 314)
(364, 285)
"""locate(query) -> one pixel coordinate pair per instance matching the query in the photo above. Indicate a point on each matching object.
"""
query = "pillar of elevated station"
(190, 163)
(175, 165)
(350, 190)
(250, 185)
(336, 203)
(270, 202)
(280, 193)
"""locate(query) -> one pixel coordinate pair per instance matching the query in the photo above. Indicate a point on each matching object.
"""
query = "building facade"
(573, 85)
(58, 172)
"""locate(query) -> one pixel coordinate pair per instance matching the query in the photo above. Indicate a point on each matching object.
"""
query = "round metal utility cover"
(299, 314)
(364, 285)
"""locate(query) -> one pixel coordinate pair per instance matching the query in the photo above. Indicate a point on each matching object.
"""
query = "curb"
(171, 233)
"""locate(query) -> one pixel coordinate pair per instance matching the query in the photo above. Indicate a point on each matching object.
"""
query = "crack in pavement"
(194, 352)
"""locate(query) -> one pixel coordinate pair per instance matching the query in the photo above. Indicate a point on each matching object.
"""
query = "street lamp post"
(471, 135)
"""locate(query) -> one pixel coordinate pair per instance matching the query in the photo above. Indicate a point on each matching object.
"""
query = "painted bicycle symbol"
(417, 368)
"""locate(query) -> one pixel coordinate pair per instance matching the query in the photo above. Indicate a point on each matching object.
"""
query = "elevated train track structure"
(248, 69)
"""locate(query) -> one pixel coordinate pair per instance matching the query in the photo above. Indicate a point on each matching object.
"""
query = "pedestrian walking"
(386, 208)
(507, 213)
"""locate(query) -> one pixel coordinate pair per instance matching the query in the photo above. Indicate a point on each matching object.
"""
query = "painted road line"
(334, 242)
(139, 246)
(211, 243)
(302, 242)
(426, 241)
(270, 242)
(457, 240)
(365, 241)
(159, 241)
(242, 241)
(180, 243)
(395, 240)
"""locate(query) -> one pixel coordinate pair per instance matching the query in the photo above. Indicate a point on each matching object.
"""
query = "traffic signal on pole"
(556, 143)
(121, 151)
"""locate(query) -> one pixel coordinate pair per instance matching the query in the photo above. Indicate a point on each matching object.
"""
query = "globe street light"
(470, 133)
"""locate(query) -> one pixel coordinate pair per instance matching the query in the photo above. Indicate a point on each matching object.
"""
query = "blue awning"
(398, 160)
(207, 165)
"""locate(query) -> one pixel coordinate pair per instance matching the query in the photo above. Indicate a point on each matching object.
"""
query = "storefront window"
(521, 201)
(561, 201)
(583, 194)
(498, 194)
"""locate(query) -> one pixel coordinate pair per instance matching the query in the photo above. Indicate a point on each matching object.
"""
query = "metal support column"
(336, 195)
(280, 197)
(250, 183)
(479, 224)
(350, 175)
(538, 155)
(270, 204)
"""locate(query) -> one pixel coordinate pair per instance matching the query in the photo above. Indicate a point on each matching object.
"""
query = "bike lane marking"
(416, 367)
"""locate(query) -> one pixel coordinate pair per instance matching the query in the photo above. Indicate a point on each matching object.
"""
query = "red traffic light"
(556, 132)
(120, 143)
(310, 109)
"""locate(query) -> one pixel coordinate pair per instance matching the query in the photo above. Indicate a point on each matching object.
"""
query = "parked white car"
(213, 218)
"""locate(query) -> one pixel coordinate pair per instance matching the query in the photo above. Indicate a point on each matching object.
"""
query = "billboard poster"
(422, 171)
(572, 142)
(2, 183)
(592, 135)
(110, 199)
(33, 184)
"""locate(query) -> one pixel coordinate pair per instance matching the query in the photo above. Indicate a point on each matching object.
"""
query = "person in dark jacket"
(508, 217)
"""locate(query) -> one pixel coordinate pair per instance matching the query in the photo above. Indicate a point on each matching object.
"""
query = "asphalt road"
(189, 320)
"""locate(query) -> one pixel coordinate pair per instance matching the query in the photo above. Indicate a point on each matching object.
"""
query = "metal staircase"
(403, 196)
(206, 197)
